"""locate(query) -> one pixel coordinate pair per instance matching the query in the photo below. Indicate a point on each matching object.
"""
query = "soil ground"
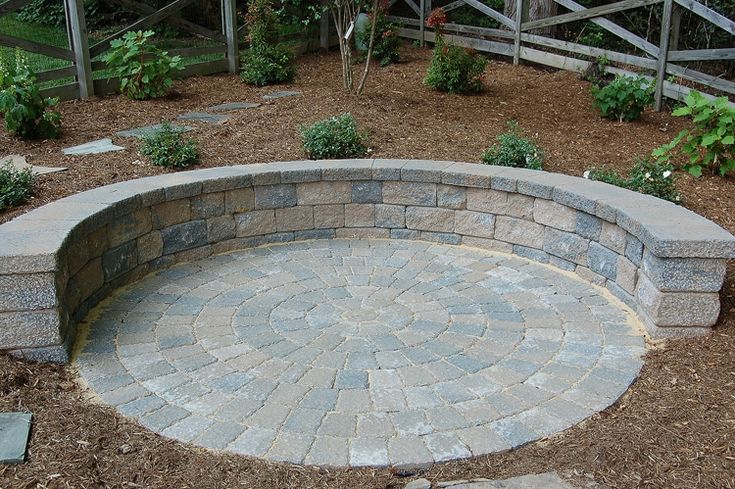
(675, 428)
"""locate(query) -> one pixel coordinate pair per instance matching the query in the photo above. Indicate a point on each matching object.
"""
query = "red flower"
(437, 18)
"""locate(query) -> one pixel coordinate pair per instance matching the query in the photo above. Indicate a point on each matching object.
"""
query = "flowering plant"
(654, 178)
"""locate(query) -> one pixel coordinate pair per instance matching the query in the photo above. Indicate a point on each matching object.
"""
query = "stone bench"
(60, 260)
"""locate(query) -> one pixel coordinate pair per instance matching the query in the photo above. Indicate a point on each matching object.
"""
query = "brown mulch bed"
(674, 429)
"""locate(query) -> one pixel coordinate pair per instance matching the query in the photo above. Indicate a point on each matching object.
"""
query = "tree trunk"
(539, 9)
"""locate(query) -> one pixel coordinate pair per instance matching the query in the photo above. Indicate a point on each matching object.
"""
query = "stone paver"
(203, 117)
(140, 132)
(361, 352)
(93, 147)
(229, 106)
(14, 431)
(19, 163)
(281, 94)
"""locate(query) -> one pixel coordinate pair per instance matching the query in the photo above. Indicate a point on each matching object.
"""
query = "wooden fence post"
(422, 20)
(78, 43)
(663, 53)
(229, 17)
(522, 7)
(324, 26)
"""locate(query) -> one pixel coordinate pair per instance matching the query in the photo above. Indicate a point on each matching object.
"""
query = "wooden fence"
(515, 40)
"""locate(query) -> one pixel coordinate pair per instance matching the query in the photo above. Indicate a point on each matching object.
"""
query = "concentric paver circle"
(361, 352)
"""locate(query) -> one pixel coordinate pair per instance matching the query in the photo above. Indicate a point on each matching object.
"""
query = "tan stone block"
(519, 231)
(355, 233)
(239, 200)
(473, 223)
(329, 216)
(550, 213)
(170, 213)
(255, 223)
(295, 218)
(613, 237)
(359, 215)
(430, 219)
(150, 246)
(315, 193)
(130, 226)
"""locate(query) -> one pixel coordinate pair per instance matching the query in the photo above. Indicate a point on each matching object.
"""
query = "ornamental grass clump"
(650, 177)
(265, 61)
(27, 114)
(514, 150)
(16, 186)
(167, 147)
(452, 69)
(336, 137)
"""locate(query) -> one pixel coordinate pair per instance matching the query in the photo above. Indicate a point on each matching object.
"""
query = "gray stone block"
(281, 94)
(472, 223)
(184, 236)
(405, 234)
(341, 170)
(275, 196)
(602, 260)
(444, 238)
(549, 213)
(120, 260)
(531, 253)
(295, 218)
(633, 249)
(684, 274)
(329, 216)
(367, 192)
(203, 117)
(409, 193)
(588, 226)
(451, 197)
(15, 429)
(613, 237)
(423, 171)
(29, 329)
(390, 216)
(169, 213)
(221, 228)
(677, 308)
(430, 219)
(519, 231)
(387, 169)
(359, 215)
(27, 292)
(209, 205)
(93, 147)
(314, 234)
(316, 193)
(568, 246)
(229, 106)
(255, 223)
(471, 175)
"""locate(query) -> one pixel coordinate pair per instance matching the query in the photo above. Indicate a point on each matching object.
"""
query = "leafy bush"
(21, 104)
(624, 98)
(514, 150)
(265, 61)
(51, 13)
(386, 44)
(647, 176)
(16, 186)
(452, 69)
(336, 137)
(595, 72)
(144, 70)
(711, 143)
(167, 147)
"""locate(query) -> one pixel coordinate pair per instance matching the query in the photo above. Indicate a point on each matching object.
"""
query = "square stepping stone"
(140, 132)
(14, 431)
(233, 106)
(93, 147)
(203, 117)
(19, 163)
(281, 94)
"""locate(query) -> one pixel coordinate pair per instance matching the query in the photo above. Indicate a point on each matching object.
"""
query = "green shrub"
(386, 44)
(21, 104)
(51, 13)
(595, 72)
(167, 147)
(16, 186)
(647, 176)
(452, 69)
(514, 150)
(624, 98)
(711, 143)
(336, 137)
(265, 61)
(144, 70)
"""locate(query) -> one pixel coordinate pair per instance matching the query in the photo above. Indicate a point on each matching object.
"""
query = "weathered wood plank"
(589, 13)
(501, 48)
(78, 38)
(35, 47)
(57, 74)
(414, 7)
(199, 51)
(554, 60)
(509, 23)
(663, 51)
(458, 28)
(229, 19)
(583, 49)
(709, 80)
(702, 55)
(64, 92)
(143, 9)
(612, 27)
(454, 5)
(522, 9)
(151, 19)
(12, 6)
(707, 13)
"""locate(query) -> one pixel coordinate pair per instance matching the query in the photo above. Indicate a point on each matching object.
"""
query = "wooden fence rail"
(514, 39)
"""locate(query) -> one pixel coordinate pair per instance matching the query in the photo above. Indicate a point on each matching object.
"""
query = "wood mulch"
(675, 428)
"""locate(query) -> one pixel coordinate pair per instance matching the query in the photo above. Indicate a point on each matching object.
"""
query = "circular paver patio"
(361, 352)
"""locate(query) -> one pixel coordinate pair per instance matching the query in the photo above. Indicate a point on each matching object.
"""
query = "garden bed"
(670, 430)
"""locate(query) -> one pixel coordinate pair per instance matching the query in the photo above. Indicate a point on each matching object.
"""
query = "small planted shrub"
(167, 147)
(624, 99)
(512, 149)
(145, 71)
(711, 142)
(336, 137)
(452, 69)
(27, 114)
(265, 61)
(16, 186)
(647, 176)
(595, 72)
(386, 44)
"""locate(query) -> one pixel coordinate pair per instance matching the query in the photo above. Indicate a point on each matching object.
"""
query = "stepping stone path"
(14, 431)
(361, 352)
(548, 480)
(233, 106)
(203, 117)
(140, 132)
(19, 163)
(281, 94)
(93, 147)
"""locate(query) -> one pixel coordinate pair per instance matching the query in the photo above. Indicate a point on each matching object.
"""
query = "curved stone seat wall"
(60, 260)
